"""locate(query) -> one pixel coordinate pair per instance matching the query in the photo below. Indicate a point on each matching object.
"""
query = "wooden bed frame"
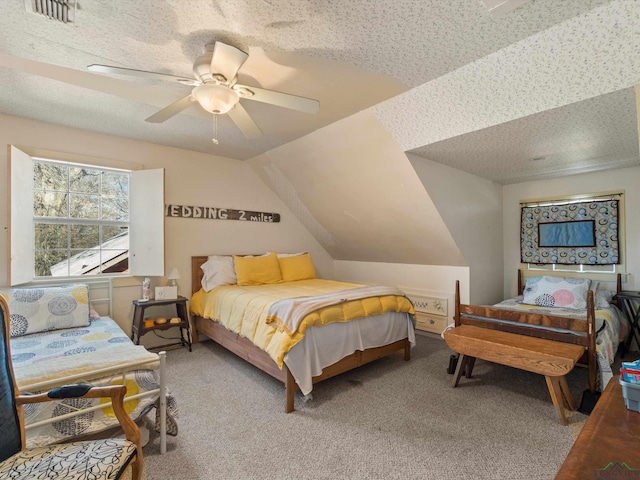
(489, 317)
(245, 349)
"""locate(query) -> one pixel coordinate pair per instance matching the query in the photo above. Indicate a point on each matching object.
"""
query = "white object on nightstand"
(166, 293)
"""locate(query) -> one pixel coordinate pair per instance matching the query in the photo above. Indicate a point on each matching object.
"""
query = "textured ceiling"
(348, 55)
(595, 134)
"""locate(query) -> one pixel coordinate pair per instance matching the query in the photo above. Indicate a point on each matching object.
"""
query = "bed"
(522, 316)
(96, 351)
(303, 352)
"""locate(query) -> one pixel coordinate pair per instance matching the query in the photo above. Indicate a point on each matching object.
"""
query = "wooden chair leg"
(136, 470)
(461, 368)
(553, 383)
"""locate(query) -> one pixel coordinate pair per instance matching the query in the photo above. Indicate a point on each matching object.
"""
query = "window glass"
(48, 176)
(84, 236)
(114, 183)
(51, 263)
(81, 220)
(115, 208)
(47, 203)
(84, 180)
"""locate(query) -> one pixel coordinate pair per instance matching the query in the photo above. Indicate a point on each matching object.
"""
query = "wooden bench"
(478, 333)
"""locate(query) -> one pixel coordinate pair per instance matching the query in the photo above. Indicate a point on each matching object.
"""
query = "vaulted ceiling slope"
(353, 188)
(348, 55)
(349, 175)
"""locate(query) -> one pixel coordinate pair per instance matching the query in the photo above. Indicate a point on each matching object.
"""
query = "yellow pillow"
(299, 267)
(257, 270)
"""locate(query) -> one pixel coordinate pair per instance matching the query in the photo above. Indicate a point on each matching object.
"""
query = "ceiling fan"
(215, 89)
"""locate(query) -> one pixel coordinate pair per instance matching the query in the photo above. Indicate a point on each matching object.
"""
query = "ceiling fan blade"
(150, 94)
(227, 60)
(140, 73)
(286, 100)
(245, 123)
(168, 112)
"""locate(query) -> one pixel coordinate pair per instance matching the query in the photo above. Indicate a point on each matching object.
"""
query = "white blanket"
(288, 313)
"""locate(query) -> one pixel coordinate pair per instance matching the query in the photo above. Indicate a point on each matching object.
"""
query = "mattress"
(323, 337)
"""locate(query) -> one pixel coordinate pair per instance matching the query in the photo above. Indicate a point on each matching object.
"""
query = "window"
(72, 219)
(571, 232)
(578, 233)
(81, 219)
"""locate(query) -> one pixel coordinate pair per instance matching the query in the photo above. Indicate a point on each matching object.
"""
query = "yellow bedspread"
(244, 310)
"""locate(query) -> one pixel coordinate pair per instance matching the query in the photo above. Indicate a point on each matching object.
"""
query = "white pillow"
(604, 298)
(285, 255)
(40, 309)
(548, 291)
(218, 270)
(601, 296)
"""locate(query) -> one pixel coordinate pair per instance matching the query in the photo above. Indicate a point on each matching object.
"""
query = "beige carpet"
(575, 422)
(389, 419)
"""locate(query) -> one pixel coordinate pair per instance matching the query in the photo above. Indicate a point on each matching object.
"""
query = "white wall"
(471, 208)
(626, 179)
(191, 178)
(433, 279)
(354, 188)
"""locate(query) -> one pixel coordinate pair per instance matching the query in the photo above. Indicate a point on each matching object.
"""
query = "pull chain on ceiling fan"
(216, 91)
(215, 129)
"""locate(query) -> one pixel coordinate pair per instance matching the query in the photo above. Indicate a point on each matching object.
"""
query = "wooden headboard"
(197, 273)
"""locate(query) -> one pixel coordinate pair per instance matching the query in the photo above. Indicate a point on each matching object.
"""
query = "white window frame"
(146, 257)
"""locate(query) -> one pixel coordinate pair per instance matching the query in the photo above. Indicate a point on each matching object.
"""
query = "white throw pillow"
(218, 270)
(565, 292)
(604, 298)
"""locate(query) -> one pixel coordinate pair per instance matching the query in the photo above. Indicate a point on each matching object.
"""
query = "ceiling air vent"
(61, 10)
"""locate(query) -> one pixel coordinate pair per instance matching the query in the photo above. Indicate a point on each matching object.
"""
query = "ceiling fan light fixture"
(215, 98)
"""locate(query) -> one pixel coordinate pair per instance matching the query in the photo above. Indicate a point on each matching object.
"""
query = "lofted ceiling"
(349, 55)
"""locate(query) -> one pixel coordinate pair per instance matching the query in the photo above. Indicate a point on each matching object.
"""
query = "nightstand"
(432, 312)
(138, 329)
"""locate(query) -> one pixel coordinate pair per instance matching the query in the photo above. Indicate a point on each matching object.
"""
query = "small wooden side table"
(138, 328)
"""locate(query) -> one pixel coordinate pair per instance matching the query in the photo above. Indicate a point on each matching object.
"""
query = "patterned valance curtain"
(584, 233)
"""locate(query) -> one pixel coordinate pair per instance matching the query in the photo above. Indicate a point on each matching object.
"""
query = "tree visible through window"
(81, 219)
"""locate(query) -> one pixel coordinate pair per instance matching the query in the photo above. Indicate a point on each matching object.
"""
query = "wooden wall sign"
(215, 213)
